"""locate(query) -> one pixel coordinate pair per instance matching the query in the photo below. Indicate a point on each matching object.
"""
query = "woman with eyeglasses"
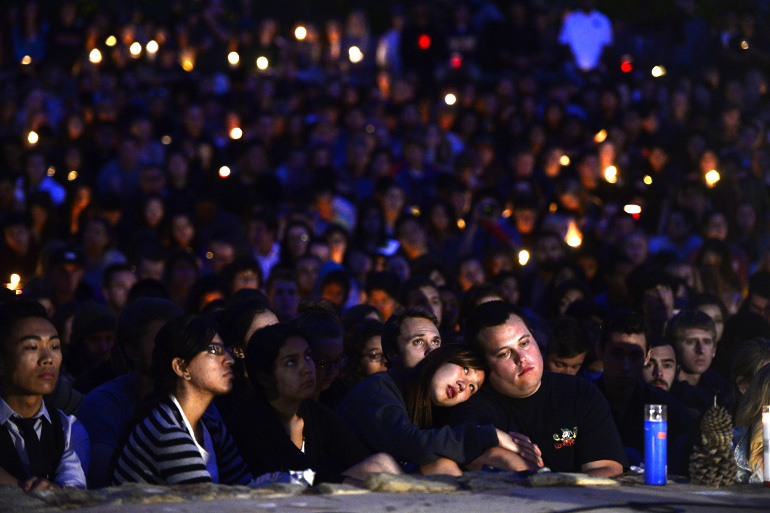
(364, 345)
(281, 429)
(178, 440)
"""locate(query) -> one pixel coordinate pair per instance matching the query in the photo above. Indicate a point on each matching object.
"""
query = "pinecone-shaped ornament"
(712, 462)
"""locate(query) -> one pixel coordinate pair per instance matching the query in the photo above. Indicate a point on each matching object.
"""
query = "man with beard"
(624, 351)
(661, 371)
(107, 409)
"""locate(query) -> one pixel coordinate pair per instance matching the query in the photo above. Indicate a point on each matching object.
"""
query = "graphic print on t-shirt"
(566, 438)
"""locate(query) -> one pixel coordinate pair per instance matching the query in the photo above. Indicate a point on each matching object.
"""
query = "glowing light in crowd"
(573, 238)
(135, 49)
(236, 133)
(72, 176)
(564, 160)
(632, 209)
(14, 282)
(95, 56)
(523, 257)
(233, 58)
(423, 41)
(262, 63)
(355, 54)
(745, 45)
(300, 33)
(209, 255)
(611, 174)
(111, 41)
(33, 138)
(600, 136)
(166, 140)
(461, 223)
(626, 66)
(152, 47)
(415, 210)
(187, 64)
(553, 207)
(51, 170)
(450, 99)
(648, 180)
(712, 177)
(224, 171)
(507, 213)
(658, 71)
(26, 60)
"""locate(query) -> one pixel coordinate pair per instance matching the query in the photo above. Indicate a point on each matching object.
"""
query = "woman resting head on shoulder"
(446, 377)
(177, 441)
(280, 366)
(363, 345)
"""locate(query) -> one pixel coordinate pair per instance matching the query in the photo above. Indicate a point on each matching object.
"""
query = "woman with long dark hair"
(280, 429)
(177, 441)
(405, 419)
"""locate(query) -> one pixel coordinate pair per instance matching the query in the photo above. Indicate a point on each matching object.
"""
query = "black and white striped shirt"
(161, 450)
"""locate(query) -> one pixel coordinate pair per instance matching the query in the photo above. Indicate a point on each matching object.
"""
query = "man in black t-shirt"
(567, 417)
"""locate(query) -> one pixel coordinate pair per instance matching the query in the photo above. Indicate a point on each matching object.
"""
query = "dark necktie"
(32, 445)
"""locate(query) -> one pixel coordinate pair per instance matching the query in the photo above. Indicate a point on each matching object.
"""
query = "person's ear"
(742, 385)
(180, 368)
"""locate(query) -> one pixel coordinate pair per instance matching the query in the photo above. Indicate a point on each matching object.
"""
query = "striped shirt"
(161, 450)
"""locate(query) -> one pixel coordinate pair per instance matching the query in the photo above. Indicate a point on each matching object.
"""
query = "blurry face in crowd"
(660, 369)
(329, 358)
(571, 366)
(417, 338)
(715, 313)
(117, 291)
(383, 302)
(471, 273)
(222, 254)
(514, 359)
(696, 348)
(453, 384)
(624, 356)
(307, 274)
(246, 279)
(284, 298)
(372, 359)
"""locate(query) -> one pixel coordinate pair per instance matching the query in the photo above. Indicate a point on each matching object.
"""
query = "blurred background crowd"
(556, 154)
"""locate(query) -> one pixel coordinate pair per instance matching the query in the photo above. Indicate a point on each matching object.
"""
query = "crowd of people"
(245, 242)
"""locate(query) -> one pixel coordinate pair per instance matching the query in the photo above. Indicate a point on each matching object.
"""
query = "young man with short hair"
(39, 449)
(565, 416)
(567, 346)
(692, 333)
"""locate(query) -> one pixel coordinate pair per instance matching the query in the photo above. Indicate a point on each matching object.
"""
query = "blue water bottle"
(655, 417)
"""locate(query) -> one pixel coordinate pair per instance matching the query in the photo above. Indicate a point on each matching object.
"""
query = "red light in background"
(626, 66)
(455, 61)
(424, 41)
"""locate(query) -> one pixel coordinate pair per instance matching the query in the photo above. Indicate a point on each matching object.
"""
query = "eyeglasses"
(331, 364)
(218, 349)
(374, 357)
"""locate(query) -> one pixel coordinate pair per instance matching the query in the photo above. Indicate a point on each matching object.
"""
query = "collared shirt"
(267, 262)
(74, 460)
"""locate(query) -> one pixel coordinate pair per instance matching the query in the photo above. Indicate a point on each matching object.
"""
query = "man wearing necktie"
(38, 449)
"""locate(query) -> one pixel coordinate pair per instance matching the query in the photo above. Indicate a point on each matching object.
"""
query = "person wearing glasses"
(280, 428)
(363, 342)
(180, 440)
